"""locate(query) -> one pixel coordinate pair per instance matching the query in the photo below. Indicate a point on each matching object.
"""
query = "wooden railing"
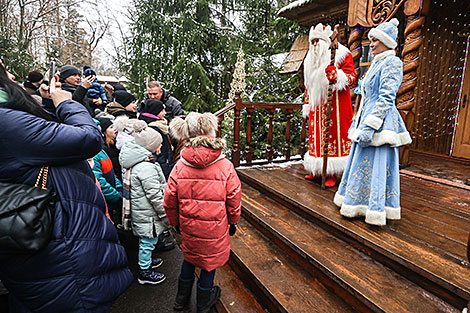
(238, 106)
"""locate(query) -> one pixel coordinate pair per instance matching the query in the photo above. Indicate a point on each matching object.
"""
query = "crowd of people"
(114, 165)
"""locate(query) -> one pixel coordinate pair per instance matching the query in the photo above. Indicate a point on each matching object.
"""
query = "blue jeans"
(146, 246)
(206, 281)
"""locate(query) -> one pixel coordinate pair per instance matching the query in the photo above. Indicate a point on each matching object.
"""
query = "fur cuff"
(208, 142)
(342, 82)
(335, 166)
(373, 121)
(378, 218)
(393, 213)
(384, 137)
(351, 211)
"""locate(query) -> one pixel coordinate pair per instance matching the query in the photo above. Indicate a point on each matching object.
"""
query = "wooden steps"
(416, 264)
(279, 282)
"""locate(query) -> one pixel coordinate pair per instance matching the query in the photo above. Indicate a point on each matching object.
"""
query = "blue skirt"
(370, 185)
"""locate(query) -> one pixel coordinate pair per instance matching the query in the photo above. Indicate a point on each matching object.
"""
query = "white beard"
(315, 80)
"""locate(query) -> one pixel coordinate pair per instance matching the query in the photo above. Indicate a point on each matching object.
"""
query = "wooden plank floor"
(429, 241)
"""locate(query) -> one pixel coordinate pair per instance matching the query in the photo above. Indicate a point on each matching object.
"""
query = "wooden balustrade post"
(355, 46)
(287, 145)
(248, 153)
(219, 126)
(269, 147)
(303, 136)
(406, 94)
(236, 131)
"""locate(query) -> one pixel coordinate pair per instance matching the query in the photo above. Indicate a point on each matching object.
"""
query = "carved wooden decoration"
(354, 44)
(370, 13)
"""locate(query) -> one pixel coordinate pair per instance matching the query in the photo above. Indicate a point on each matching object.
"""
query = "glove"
(331, 73)
(232, 229)
(365, 136)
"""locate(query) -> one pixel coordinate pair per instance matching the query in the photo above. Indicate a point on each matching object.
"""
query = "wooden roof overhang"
(314, 11)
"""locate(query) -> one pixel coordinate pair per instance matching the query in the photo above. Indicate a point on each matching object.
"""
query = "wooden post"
(406, 94)
(219, 129)
(248, 153)
(269, 147)
(287, 145)
(355, 46)
(303, 136)
(236, 131)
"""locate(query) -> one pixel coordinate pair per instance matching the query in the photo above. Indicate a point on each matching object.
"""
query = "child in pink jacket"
(202, 199)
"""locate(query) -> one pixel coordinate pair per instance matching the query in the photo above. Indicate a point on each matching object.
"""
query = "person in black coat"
(154, 116)
(83, 268)
(69, 78)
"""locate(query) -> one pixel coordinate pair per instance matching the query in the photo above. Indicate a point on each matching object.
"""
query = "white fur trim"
(335, 166)
(305, 110)
(341, 54)
(393, 213)
(383, 37)
(353, 210)
(384, 137)
(373, 121)
(320, 33)
(342, 81)
(378, 218)
(338, 199)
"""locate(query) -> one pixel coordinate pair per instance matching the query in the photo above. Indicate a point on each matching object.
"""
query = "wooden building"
(433, 39)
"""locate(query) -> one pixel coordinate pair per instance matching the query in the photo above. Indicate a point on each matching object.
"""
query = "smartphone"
(52, 71)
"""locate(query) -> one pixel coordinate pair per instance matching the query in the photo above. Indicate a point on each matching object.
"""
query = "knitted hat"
(153, 106)
(105, 123)
(146, 137)
(195, 124)
(88, 71)
(118, 87)
(320, 32)
(387, 33)
(35, 76)
(124, 98)
(68, 70)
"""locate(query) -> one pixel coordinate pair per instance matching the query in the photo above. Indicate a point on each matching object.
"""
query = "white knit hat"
(146, 137)
(320, 32)
(387, 33)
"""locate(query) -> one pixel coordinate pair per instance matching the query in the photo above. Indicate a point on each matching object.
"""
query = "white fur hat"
(387, 33)
(146, 137)
(195, 124)
(320, 32)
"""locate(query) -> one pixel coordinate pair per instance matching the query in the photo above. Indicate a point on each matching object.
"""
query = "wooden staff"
(333, 47)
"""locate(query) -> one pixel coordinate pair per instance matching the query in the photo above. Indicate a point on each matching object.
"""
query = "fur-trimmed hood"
(202, 151)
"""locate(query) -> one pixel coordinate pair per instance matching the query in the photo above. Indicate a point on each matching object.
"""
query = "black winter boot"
(184, 294)
(206, 299)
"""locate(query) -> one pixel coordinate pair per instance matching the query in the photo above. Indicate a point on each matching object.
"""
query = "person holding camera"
(71, 81)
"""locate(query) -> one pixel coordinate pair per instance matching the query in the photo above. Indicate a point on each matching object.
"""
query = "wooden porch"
(294, 252)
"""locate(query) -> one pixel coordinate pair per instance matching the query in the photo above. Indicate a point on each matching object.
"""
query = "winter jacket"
(165, 158)
(30, 88)
(96, 91)
(79, 95)
(173, 106)
(104, 172)
(147, 186)
(83, 268)
(377, 109)
(203, 196)
(116, 109)
(113, 152)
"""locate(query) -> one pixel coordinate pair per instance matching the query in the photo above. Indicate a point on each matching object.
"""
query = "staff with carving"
(328, 136)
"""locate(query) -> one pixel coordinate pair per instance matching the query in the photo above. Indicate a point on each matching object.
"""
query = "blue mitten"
(365, 136)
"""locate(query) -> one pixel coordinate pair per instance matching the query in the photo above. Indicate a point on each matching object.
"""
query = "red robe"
(341, 118)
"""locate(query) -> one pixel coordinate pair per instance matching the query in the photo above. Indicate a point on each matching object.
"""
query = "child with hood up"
(203, 201)
(147, 184)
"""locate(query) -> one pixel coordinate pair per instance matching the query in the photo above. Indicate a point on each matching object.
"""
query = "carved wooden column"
(236, 131)
(354, 43)
(406, 94)
(248, 153)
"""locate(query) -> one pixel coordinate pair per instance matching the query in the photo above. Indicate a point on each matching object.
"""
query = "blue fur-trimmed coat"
(84, 267)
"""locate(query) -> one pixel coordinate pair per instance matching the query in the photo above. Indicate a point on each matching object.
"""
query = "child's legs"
(146, 246)
(206, 281)
(187, 271)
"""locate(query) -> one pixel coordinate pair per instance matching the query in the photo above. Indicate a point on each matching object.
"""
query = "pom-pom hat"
(320, 32)
(387, 33)
(146, 137)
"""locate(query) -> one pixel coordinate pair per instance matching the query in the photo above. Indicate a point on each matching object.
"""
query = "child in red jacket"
(202, 199)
